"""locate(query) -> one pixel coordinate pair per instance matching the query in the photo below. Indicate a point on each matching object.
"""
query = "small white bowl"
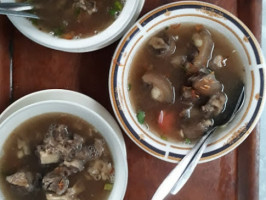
(92, 117)
(65, 95)
(112, 33)
(225, 139)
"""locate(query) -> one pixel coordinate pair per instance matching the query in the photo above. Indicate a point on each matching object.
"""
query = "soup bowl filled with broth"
(177, 70)
(78, 25)
(55, 149)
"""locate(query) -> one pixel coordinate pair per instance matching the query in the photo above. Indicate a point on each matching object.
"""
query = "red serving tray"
(34, 68)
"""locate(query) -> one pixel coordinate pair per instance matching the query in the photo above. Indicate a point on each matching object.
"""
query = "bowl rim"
(213, 11)
(113, 32)
(123, 160)
(65, 95)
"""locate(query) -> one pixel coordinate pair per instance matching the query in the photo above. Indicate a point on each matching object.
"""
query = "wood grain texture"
(232, 177)
(5, 33)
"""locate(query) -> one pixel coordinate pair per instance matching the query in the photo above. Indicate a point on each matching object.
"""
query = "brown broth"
(33, 131)
(62, 19)
(144, 60)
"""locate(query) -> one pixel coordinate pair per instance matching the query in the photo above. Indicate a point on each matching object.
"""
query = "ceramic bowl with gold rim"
(226, 138)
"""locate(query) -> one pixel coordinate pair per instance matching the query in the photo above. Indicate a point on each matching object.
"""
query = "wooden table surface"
(34, 68)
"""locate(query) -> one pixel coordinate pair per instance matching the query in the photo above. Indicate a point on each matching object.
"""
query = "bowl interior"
(91, 117)
(129, 13)
(226, 138)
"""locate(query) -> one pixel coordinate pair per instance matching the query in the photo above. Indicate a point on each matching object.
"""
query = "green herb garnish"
(112, 12)
(129, 87)
(34, 21)
(59, 31)
(116, 8)
(118, 5)
(141, 117)
(108, 186)
(163, 137)
(187, 141)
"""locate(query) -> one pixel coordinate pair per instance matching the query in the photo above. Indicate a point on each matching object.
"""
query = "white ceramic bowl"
(92, 117)
(65, 95)
(126, 18)
(225, 139)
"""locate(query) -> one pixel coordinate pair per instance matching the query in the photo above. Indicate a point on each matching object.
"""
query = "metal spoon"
(181, 173)
(16, 9)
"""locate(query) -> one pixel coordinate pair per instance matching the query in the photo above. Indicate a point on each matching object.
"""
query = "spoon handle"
(194, 159)
(174, 176)
(16, 6)
(4, 11)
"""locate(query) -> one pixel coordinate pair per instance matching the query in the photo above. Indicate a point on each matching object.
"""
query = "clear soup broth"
(56, 156)
(70, 19)
(183, 77)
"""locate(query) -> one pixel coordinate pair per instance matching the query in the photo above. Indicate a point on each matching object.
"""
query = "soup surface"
(75, 18)
(182, 78)
(56, 156)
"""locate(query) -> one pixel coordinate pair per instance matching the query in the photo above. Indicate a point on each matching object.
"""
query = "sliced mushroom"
(162, 89)
(162, 45)
(203, 41)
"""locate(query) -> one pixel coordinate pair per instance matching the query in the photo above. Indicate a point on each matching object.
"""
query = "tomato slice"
(166, 121)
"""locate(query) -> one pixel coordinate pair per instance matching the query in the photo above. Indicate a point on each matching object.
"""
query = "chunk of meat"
(71, 193)
(91, 152)
(206, 84)
(215, 105)
(22, 179)
(185, 113)
(59, 145)
(162, 89)
(77, 164)
(55, 182)
(194, 131)
(162, 45)
(203, 41)
(189, 94)
(87, 5)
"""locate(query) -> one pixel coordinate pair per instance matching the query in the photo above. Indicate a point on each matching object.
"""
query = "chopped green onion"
(118, 5)
(116, 8)
(34, 21)
(112, 12)
(58, 31)
(163, 137)
(187, 141)
(166, 28)
(141, 117)
(108, 186)
(129, 87)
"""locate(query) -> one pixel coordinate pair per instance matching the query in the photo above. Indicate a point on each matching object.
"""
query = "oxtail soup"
(56, 156)
(181, 78)
(72, 19)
